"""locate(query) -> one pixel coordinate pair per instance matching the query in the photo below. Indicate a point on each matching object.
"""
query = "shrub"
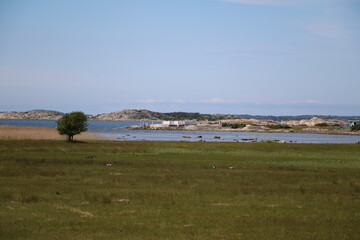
(355, 127)
(234, 126)
(279, 126)
(238, 125)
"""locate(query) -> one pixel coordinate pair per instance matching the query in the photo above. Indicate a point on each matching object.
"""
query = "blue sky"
(278, 57)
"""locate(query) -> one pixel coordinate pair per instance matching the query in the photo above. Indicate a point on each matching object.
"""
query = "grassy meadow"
(51, 189)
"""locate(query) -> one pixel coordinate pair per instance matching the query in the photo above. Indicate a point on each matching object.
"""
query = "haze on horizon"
(264, 57)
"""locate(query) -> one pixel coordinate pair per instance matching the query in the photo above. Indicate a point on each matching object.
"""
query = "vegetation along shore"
(37, 133)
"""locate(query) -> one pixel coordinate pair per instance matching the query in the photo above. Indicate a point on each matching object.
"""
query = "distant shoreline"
(52, 133)
(8, 132)
(147, 115)
(292, 131)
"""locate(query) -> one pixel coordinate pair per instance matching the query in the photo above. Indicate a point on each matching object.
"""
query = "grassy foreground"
(169, 190)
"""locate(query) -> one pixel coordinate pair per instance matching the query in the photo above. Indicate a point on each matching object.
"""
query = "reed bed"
(38, 133)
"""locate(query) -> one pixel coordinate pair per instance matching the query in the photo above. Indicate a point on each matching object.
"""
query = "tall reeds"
(35, 133)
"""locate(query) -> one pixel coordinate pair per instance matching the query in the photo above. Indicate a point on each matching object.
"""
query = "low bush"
(355, 127)
(238, 125)
(234, 125)
(278, 126)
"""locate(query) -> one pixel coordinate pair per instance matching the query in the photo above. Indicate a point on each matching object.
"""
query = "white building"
(173, 123)
(353, 122)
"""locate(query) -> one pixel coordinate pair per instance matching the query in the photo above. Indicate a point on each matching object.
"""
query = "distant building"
(167, 125)
(173, 123)
(353, 122)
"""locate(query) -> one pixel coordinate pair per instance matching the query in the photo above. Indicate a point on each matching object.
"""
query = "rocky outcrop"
(316, 121)
(243, 121)
(127, 115)
(33, 114)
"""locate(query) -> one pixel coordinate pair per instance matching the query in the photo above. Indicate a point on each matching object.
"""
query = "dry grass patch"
(77, 210)
(36, 133)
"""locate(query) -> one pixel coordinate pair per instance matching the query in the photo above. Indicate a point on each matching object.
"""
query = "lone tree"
(71, 124)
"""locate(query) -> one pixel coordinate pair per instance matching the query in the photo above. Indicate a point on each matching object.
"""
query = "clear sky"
(278, 57)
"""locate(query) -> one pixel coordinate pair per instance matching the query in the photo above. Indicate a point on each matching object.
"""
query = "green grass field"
(169, 190)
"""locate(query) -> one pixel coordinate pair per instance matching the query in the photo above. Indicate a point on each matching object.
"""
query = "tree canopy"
(72, 124)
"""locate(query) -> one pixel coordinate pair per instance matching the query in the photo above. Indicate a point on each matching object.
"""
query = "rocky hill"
(33, 114)
(124, 115)
(142, 114)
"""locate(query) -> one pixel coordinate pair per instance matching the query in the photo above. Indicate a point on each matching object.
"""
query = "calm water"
(116, 130)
